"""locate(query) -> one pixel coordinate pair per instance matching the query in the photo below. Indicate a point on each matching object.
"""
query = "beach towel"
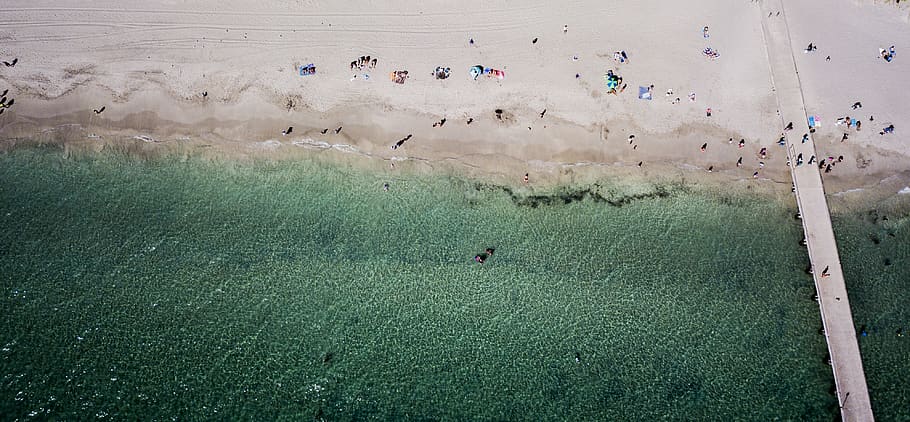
(494, 73)
(644, 93)
(309, 69)
(811, 121)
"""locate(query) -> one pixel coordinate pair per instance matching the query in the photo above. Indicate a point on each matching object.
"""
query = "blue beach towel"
(309, 69)
(644, 93)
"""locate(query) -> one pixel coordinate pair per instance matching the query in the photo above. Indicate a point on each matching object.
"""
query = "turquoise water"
(170, 288)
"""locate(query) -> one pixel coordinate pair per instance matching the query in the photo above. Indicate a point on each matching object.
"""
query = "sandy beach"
(226, 75)
(539, 104)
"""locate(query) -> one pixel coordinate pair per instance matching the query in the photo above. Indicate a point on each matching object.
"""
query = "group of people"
(364, 61)
(888, 54)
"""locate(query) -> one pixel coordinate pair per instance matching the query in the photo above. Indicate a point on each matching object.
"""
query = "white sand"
(149, 61)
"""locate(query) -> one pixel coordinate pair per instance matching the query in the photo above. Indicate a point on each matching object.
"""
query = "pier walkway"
(852, 393)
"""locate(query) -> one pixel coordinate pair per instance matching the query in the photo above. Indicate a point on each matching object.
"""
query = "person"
(704, 147)
(526, 178)
(471, 41)
(385, 187)
(565, 29)
(805, 137)
(482, 257)
(704, 32)
(739, 163)
(742, 143)
(857, 105)
(789, 126)
(888, 129)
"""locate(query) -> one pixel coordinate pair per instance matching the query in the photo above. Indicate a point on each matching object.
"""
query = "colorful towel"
(644, 93)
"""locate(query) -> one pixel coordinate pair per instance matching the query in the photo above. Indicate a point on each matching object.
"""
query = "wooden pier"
(852, 393)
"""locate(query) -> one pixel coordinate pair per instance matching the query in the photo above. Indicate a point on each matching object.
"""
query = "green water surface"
(189, 289)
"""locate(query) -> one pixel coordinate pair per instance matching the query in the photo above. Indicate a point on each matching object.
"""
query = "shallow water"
(167, 288)
(875, 251)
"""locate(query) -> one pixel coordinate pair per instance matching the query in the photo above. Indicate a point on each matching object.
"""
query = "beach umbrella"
(611, 79)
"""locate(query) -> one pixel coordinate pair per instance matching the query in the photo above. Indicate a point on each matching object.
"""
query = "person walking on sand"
(704, 147)
(526, 178)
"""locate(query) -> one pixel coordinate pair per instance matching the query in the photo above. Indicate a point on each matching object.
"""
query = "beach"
(231, 84)
(151, 65)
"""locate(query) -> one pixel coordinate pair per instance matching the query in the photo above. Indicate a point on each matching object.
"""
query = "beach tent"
(476, 71)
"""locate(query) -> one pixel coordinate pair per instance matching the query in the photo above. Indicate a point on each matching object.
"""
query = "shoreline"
(562, 154)
(557, 123)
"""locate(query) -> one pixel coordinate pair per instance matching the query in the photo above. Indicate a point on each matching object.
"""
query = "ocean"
(180, 287)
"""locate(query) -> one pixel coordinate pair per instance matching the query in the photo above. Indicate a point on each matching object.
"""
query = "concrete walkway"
(852, 393)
